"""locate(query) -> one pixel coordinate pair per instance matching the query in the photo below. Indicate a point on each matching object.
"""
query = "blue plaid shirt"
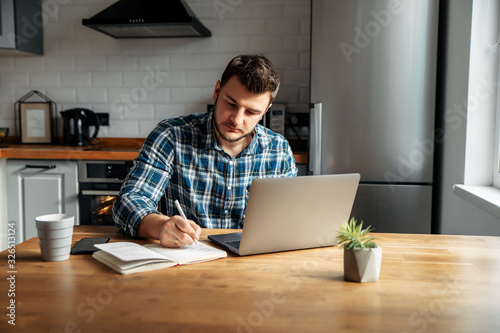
(182, 160)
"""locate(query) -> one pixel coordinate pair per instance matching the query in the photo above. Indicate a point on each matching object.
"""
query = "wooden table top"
(428, 283)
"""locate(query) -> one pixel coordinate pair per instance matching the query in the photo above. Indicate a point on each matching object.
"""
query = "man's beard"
(218, 129)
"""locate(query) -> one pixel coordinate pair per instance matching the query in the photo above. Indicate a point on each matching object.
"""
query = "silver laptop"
(293, 213)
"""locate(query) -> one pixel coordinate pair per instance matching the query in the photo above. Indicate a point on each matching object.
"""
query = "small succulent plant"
(351, 235)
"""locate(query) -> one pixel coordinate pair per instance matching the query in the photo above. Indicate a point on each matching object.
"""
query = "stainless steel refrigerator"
(373, 89)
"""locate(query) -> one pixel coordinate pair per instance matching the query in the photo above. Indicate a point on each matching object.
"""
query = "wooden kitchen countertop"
(109, 149)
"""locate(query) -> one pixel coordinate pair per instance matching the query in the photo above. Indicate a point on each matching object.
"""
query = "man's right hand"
(177, 232)
(171, 232)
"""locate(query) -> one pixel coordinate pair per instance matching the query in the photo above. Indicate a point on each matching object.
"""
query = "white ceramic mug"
(55, 233)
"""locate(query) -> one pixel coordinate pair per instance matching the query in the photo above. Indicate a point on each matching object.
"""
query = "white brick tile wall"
(57, 63)
(156, 95)
(296, 44)
(106, 79)
(201, 45)
(73, 13)
(90, 62)
(185, 62)
(235, 44)
(51, 46)
(14, 80)
(155, 62)
(61, 95)
(59, 30)
(28, 64)
(147, 126)
(75, 79)
(7, 94)
(197, 108)
(272, 11)
(202, 78)
(296, 9)
(105, 46)
(216, 61)
(7, 63)
(143, 111)
(124, 128)
(137, 46)
(187, 95)
(171, 78)
(136, 79)
(163, 111)
(255, 27)
(72, 46)
(142, 81)
(123, 63)
(42, 79)
(96, 95)
(296, 77)
(283, 27)
(169, 46)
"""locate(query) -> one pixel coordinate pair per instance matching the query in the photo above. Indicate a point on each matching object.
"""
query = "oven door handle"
(99, 192)
(32, 166)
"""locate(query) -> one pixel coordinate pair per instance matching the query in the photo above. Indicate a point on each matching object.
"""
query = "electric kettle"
(76, 123)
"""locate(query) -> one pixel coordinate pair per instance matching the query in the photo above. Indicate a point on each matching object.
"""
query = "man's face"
(237, 111)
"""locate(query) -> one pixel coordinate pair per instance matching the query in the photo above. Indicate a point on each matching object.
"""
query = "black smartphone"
(86, 245)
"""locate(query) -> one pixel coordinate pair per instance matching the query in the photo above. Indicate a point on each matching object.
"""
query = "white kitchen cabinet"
(3, 205)
(38, 187)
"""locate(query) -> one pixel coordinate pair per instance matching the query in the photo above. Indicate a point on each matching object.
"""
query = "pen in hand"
(179, 208)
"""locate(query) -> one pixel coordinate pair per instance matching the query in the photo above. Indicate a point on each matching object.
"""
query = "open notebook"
(128, 257)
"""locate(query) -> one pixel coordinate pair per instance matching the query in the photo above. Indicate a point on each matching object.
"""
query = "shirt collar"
(260, 139)
(208, 141)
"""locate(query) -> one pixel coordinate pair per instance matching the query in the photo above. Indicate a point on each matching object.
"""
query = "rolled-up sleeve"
(146, 182)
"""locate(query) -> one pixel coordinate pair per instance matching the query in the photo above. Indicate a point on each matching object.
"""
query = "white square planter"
(362, 265)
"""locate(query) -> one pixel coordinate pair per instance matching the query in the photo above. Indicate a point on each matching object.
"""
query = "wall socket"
(103, 118)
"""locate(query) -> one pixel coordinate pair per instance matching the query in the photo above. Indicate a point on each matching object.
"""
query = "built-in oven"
(99, 184)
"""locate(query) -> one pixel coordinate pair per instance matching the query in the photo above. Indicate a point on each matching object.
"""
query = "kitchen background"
(84, 68)
(142, 81)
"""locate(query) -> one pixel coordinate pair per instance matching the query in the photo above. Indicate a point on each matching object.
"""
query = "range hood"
(148, 19)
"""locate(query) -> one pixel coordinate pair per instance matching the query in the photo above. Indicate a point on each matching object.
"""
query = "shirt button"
(225, 212)
(229, 187)
(230, 162)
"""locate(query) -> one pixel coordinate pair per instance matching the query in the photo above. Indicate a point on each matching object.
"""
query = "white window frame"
(496, 159)
(483, 189)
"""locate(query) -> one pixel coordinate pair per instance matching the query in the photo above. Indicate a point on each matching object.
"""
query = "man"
(206, 161)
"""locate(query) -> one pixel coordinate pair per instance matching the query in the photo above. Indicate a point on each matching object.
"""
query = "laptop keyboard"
(235, 244)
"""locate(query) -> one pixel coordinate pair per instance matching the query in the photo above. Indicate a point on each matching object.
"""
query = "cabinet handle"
(31, 166)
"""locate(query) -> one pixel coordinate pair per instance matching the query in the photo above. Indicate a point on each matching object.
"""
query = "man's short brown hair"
(255, 72)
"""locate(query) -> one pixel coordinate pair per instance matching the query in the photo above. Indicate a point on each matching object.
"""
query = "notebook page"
(128, 251)
(188, 253)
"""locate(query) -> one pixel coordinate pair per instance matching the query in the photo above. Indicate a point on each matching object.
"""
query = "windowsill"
(484, 197)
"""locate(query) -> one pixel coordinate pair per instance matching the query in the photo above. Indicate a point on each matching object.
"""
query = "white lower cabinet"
(38, 187)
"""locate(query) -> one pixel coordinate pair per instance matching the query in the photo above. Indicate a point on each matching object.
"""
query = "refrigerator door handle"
(315, 138)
